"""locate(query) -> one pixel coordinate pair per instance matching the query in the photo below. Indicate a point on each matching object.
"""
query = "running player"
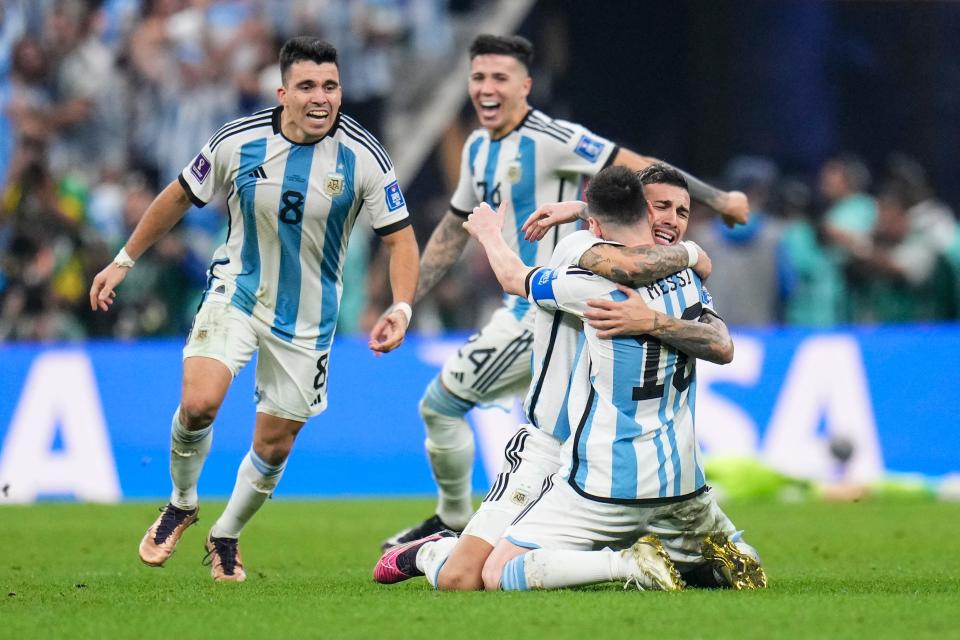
(298, 175)
(631, 476)
(533, 454)
(523, 157)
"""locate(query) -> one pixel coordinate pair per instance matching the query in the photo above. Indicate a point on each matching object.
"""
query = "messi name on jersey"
(589, 148)
(394, 196)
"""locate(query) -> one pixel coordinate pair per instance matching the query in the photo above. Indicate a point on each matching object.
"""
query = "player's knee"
(197, 412)
(459, 577)
(439, 402)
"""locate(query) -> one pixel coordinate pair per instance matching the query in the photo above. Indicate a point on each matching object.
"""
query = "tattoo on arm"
(706, 339)
(634, 266)
(444, 247)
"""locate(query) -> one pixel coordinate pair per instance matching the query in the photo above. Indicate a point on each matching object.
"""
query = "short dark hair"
(659, 173)
(305, 48)
(514, 46)
(616, 195)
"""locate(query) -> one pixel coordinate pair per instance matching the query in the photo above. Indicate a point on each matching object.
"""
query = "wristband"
(693, 252)
(404, 308)
(123, 259)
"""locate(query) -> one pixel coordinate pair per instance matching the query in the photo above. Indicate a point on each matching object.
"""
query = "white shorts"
(530, 457)
(563, 519)
(291, 381)
(493, 363)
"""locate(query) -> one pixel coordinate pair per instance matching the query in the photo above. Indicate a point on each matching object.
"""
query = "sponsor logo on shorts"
(200, 168)
(394, 196)
(589, 148)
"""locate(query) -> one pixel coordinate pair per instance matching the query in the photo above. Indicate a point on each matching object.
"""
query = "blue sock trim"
(265, 468)
(436, 575)
(438, 399)
(514, 577)
(737, 536)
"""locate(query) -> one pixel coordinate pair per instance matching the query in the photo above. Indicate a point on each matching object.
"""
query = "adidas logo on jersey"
(258, 173)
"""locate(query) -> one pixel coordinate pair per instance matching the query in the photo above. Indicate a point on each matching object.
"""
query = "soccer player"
(297, 177)
(631, 476)
(533, 454)
(523, 157)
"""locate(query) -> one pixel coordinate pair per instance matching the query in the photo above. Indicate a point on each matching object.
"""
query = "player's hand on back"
(389, 331)
(736, 209)
(550, 215)
(620, 318)
(103, 289)
(485, 221)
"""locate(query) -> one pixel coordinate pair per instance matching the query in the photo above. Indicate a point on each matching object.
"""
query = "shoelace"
(171, 519)
(226, 550)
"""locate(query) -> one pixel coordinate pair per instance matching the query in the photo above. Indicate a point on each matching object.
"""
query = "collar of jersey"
(519, 124)
(277, 130)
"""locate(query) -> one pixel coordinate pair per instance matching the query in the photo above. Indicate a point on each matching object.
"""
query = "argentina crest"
(333, 184)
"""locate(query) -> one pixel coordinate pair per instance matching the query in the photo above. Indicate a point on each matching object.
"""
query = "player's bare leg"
(205, 383)
(258, 476)
(463, 570)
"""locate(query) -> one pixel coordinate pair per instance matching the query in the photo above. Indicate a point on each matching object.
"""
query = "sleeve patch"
(588, 148)
(200, 168)
(394, 196)
(541, 285)
(705, 297)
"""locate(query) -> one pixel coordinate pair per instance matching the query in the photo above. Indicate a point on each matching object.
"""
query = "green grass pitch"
(887, 569)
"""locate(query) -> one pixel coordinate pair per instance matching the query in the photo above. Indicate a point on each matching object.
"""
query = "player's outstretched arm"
(732, 206)
(389, 331)
(445, 245)
(486, 226)
(706, 338)
(639, 266)
(165, 211)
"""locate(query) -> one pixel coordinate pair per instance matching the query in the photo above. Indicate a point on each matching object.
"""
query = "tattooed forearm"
(634, 266)
(444, 247)
(705, 339)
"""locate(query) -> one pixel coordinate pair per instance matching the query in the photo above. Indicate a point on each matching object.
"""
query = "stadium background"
(105, 101)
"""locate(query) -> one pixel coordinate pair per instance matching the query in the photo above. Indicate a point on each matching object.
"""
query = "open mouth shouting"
(664, 235)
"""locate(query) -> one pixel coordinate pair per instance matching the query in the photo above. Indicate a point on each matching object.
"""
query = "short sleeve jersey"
(632, 398)
(542, 160)
(291, 209)
(558, 343)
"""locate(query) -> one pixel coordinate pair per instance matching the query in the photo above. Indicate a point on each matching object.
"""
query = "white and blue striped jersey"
(541, 161)
(558, 343)
(632, 398)
(291, 209)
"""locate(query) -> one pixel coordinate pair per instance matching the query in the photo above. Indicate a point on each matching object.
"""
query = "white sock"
(432, 555)
(450, 449)
(558, 568)
(188, 451)
(256, 480)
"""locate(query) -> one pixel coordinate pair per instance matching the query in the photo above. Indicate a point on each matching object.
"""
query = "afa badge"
(514, 172)
(334, 184)
(519, 498)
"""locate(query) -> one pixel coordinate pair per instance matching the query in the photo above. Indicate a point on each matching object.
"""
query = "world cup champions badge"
(333, 184)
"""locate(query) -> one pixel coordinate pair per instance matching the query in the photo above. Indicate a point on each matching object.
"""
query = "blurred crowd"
(103, 102)
(841, 248)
